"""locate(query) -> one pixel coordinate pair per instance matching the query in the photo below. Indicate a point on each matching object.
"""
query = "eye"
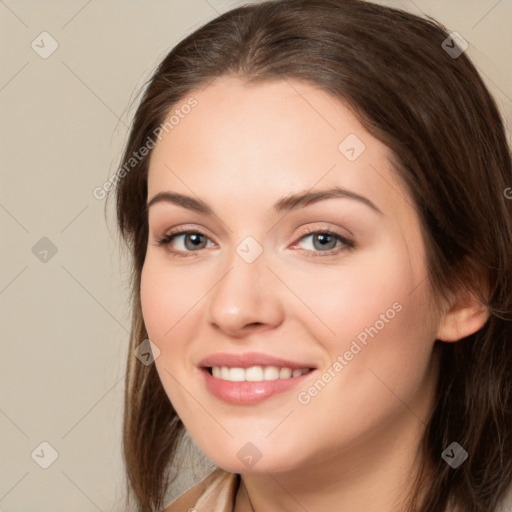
(324, 242)
(192, 241)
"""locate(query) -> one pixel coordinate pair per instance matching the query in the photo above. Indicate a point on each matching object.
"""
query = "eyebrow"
(285, 204)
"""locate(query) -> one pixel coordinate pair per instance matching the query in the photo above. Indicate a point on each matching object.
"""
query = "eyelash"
(347, 243)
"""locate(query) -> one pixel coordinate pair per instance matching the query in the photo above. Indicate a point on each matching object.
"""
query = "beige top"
(215, 493)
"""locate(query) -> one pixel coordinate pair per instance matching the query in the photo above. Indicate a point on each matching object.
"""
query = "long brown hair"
(448, 143)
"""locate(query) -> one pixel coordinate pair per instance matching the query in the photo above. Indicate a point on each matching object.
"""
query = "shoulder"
(216, 492)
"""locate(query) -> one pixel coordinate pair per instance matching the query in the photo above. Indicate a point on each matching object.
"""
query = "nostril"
(255, 324)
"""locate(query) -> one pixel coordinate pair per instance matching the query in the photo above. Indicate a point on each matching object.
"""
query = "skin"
(240, 149)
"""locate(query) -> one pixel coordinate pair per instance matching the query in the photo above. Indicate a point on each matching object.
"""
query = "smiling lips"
(249, 378)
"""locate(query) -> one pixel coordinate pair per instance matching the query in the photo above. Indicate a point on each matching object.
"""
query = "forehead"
(265, 140)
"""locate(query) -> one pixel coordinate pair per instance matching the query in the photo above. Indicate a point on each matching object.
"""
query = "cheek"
(167, 301)
(153, 295)
(352, 296)
(167, 295)
(383, 339)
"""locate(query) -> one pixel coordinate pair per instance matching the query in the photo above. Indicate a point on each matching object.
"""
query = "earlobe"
(465, 317)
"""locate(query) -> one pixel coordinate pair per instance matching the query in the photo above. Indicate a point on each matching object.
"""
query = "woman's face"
(351, 304)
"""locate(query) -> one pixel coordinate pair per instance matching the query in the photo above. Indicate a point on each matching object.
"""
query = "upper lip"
(248, 359)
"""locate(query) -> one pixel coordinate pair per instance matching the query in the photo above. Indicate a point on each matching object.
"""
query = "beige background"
(65, 321)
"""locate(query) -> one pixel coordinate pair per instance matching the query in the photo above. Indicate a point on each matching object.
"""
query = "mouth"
(251, 377)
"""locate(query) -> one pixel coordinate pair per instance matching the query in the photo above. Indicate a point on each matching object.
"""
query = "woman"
(314, 193)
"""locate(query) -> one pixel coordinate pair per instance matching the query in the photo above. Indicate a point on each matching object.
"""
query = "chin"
(249, 460)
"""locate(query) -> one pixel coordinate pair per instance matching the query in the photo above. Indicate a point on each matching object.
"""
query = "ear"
(465, 315)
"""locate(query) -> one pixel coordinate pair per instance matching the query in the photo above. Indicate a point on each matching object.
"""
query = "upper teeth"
(255, 373)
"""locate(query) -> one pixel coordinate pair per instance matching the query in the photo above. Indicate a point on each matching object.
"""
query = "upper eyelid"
(310, 230)
(224, 229)
(187, 228)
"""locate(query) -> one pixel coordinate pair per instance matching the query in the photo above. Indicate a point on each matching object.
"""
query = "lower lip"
(249, 393)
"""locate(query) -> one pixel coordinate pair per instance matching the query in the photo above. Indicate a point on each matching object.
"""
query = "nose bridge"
(244, 294)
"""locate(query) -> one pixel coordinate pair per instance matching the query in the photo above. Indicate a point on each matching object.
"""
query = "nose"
(245, 299)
